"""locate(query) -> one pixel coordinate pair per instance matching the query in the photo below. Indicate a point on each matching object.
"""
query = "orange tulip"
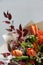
(40, 32)
(31, 52)
(17, 53)
(40, 39)
(33, 29)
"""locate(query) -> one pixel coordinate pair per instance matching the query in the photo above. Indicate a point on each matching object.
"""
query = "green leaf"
(32, 38)
(28, 64)
(26, 44)
(40, 47)
(23, 45)
(21, 58)
(31, 57)
(29, 44)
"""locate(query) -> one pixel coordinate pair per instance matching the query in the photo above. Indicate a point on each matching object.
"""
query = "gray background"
(23, 11)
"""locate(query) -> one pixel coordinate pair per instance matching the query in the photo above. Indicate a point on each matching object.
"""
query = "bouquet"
(25, 45)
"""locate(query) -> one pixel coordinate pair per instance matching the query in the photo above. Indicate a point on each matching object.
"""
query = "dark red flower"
(5, 15)
(12, 27)
(15, 43)
(25, 32)
(10, 30)
(20, 27)
(22, 63)
(21, 39)
(6, 54)
(14, 32)
(19, 33)
(7, 22)
(22, 32)
(1, 63)
(9, 16)
(32, 62)
(31, 52)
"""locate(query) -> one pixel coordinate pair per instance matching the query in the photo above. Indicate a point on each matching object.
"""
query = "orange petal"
(17, 53)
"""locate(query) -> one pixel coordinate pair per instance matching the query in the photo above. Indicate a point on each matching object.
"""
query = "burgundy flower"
(22, 63)
(8, 15)
(1, 63)
(22, 32)
(12, 27)
(25, 32)
(20, 27)
(7, 22)
(5, 54)
(15, 43)
(5, 15)
(10, 30)
(32, 62)
(21, 39)
(19, 33)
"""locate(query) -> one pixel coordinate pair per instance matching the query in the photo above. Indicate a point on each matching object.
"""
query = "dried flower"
(7, 22)
(1, 63)
(12, 27)
(22, 32)
(10, 30)
(5, 15)
(5, 54)
(8, 15)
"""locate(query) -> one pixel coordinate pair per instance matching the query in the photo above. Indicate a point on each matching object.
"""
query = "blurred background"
(23, 11)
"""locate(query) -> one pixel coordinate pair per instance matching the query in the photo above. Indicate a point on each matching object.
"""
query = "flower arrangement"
(27, 49)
